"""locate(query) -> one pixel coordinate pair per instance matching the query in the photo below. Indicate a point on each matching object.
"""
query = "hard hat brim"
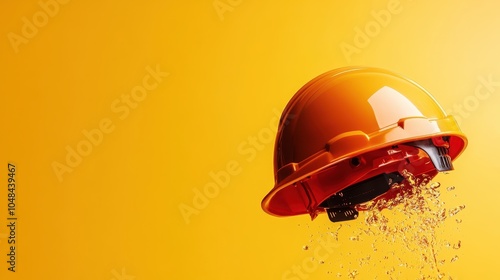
(357, 143)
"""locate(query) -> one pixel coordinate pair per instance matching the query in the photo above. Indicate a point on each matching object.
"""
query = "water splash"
(403, 240)
(424, 213)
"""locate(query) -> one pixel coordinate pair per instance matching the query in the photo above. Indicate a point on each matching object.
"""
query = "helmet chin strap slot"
(340, 206)
(342, 214)
(438, 154)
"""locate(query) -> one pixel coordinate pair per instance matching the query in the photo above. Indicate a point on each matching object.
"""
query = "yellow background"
(117, 216)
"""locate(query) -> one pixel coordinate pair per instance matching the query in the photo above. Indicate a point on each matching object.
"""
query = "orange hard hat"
(348, 135)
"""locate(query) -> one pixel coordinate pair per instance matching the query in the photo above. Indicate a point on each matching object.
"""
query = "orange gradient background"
(232, 67)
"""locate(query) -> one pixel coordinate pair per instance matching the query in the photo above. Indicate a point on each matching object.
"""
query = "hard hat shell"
(353, 112)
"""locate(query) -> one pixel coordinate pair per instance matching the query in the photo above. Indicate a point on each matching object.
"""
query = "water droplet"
(434, 185)
(450, 188)
(455, 210)
(352, 274)
(321, 262)
(454, 259)
(354, 238)
(305, 247)
(441, 214)
(458, 245)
